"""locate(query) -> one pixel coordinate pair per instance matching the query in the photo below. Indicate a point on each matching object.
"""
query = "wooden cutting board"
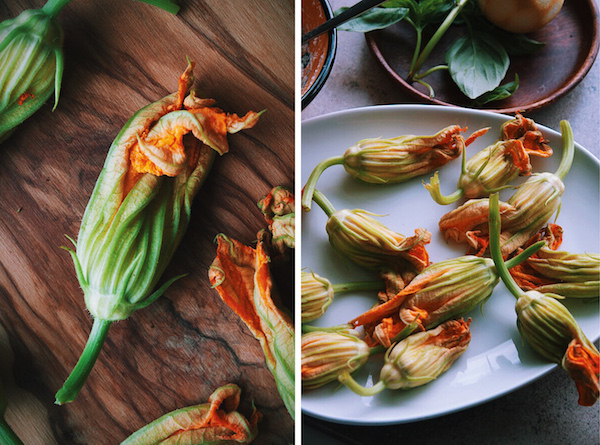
(119, 56)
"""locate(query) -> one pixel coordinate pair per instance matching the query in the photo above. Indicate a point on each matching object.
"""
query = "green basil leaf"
(477, 64)
(499, 93)
(434, 11)
(411, 4)
(423, 12)
(376, 18)
(518, 44)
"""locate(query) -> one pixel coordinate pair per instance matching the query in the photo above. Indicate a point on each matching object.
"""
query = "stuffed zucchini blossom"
(394, 160)
(356, 235)
(317, 293)
(523, 215)
(445, 290)
(141, 206)
(32, 61)
(31, 57)
(418, 359)
(548, 326)
(326, 355)
(214, 422)
(492, 168)
(566, 274)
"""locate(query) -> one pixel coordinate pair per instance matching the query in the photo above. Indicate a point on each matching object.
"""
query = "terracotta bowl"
(317, 54)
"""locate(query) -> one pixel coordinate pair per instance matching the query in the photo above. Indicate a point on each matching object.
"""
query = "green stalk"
(337, 329)
(568, 150)
(323, 202)
(311, 183)
(426, 85)
(418, 43)
(505, 275)
(357, 286)
(436, 38)
(448, 199)
(86, 362)
(167, 5)
(53, 7)
(431, 71)
(7, 435)
(347, 380)
(523, 256)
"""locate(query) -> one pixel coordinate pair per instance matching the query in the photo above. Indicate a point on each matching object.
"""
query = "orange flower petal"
(583, 366)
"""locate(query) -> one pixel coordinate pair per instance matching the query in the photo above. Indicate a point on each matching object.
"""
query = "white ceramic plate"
(496, 361)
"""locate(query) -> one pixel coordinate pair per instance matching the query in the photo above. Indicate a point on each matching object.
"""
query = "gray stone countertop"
(543, 412)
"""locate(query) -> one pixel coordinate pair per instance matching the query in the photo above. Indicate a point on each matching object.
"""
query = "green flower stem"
(505, 275)
(451, 198)
(167, 5)
(568, 150)
(323, 202)
(434, 189)
(436, 38)
(86, 362)
(357, 286)
(415, 56)
(347, 380)
(426, 85)
(7, 435)
(53, 7)
(523, 256)
(339, 329)
(431, 71)
(311, 183)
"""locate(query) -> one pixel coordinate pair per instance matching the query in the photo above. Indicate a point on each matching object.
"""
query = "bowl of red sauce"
(318, 53)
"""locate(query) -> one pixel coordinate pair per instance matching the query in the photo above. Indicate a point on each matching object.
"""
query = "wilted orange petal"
(236, 262)
(515, 149)
(475, 135)
(583, 366)
(386, 309)
(385, 331)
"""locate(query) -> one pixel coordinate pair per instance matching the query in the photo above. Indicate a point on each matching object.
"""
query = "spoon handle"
(348, 14)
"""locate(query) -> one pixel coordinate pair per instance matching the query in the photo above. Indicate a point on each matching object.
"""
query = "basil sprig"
(477, 62)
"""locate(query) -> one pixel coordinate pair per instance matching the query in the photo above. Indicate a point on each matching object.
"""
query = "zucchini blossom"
(278, 207)
(445, 290)
(326, 355)
(32, 63)
(140, 208)
(548, 326)
(241, 276)
(394, 160)
(215, 422)
(356, 235)
(523, 215)
(492, 168)
(571, 275)
(317, 293)
(418, 359)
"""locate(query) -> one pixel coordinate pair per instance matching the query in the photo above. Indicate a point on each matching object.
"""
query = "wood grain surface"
(119, 56)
